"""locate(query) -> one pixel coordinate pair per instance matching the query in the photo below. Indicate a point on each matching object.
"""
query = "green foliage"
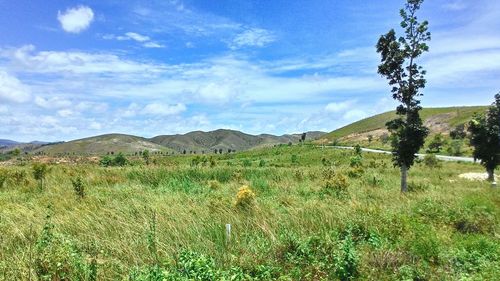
(458, 132)
(247, 163)
(437, 143)
(357, 150)
(406, 78)
(295, 159)
(119, 160)
(3, 177)
(431, 161)
(58, 258)
(40, 171)
(146, 156)
(337, 186)
(347, 260)
(485, 137)
(356, 161)
(262, 163)
(456, 147)
(78, 187)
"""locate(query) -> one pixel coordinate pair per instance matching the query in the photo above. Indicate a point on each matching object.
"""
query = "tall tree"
(398, 65)
(485, 138)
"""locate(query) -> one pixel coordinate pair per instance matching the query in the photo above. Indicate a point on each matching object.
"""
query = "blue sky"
(75, 69)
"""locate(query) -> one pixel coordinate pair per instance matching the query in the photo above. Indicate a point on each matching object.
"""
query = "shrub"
(346, 262)
(357, 150)
(355, 172)
(214, 184)
(431, 161)
(262, 163)
(40, 171)
(295, 159)
(78, 187)
(245, 198)
(120, 160)
(3, 177)
(455, 147)
(356, 161)
(20, 177)
(247, 163)
(337, 186)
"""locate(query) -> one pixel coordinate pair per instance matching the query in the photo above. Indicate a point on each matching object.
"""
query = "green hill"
(103, 144)
(439, 120)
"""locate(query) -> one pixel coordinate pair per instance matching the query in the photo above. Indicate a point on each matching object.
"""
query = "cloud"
(153, 45)
(27, 60)
(75, 20)
(355, 114)
(65, 112)
(457, 5)
(52, 103)
(145, 40)
(336, 107)
(137, 37)
(11, 89)
(163, 109)
(253, 37)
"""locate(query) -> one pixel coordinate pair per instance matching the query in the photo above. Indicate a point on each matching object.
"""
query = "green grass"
(166, 221)
(460, 116)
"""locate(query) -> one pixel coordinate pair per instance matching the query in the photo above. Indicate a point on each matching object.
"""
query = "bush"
(262, 163)
(247, 163)
(78, 187)
(245, 198)
(295, 159)
(337, 186)
(356, 161)
(118, 160)
(3, 177)
(431, 161)
(355, 172)
(214, 184)
(40, 170)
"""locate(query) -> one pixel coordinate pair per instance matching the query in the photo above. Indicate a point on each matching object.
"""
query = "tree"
(398, 65)
(145, 156)
(458, 132)
(370, 138)
(120, 160)
(303, 137)
(485, 137)
(40, 170)
(436, 144)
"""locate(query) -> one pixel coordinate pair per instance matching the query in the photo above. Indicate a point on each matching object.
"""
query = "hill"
(439, 120)
(225, 139)
(7, 143)
(103, 144)
(196, 141)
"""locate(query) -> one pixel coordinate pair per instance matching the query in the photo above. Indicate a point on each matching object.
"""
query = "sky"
(73, 69)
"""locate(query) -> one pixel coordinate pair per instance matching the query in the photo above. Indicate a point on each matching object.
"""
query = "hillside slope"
(439, 120)
(102, 145)
(224, 139)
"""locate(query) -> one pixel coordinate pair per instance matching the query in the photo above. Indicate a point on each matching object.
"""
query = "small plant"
(245, 198)
(214, 184)
(358, 150)
(431, 161)
(356, 161)
(247, 163)
(40, 171)
(355, 172)
(295, 159)
(337, 186)
(346, 262)
(145, 156)
(78, 187)
(262, 163)
(106, 161)
(3, 177)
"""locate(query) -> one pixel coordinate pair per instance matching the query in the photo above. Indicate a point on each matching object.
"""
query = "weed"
(245, 198)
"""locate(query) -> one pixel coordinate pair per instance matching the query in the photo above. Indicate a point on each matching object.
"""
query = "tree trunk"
(404, 178)
(491, 175)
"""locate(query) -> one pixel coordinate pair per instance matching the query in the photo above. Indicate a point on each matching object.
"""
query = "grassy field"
(297, 213)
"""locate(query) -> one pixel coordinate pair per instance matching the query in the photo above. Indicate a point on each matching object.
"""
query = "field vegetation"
(296, 213)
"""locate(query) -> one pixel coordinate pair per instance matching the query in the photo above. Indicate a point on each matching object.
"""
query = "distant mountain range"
(193, 142)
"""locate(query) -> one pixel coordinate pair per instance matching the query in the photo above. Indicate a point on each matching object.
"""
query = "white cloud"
(26, 59)
(11, 89)
(337, 107)
(153, 45)
(95, 125)
(4, 109)
(65, 112)
(355, 115)
(253, 37)
(456, 5)
(75, 20)
(137, 37)
(51, 103)
(163, 109)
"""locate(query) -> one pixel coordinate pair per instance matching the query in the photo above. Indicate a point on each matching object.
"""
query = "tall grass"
(166, 222)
